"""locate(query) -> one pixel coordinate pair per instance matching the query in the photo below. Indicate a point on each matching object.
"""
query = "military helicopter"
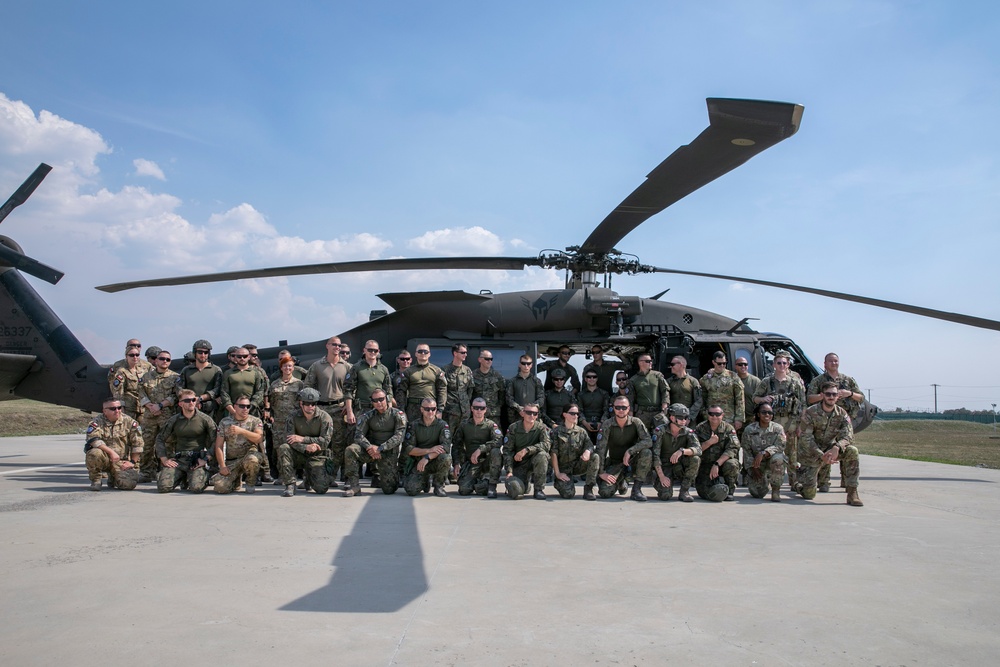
(41, 359)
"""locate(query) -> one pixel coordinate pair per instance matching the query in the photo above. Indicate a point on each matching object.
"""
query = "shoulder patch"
(92, 427)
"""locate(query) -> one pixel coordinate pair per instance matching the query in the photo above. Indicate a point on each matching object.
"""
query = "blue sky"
(214, 136)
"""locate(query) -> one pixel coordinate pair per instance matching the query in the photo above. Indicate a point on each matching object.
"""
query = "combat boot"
(685, 495)
(353, 488)
(622, 484)
(248, 487)
(824, 488)
(96, 485)
(776, 494)
(289, 491)
(539, 493)
(637, 493)
(145, 477)
(439, 491)
(491, 490)
(852, 497)
(588, 492)
(376, 482)
(265, 479)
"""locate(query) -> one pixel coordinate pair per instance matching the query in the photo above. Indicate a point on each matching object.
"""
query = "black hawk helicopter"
(41, 359)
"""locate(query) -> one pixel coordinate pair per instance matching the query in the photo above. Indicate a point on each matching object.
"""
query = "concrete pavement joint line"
(61, 465)
(430, 581)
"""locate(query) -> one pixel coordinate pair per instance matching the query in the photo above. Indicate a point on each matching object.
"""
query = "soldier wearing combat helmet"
(676, 455)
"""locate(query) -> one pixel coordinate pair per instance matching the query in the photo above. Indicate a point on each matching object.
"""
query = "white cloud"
(458, 242)
(148, 168)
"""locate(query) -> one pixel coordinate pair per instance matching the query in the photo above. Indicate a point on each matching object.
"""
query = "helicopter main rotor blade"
(21, 262)
(402, 264)
(738, 130)
(22, 193)
(958, 318)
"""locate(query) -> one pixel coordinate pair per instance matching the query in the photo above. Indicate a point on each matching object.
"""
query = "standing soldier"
(489, 385)
(828, 437)
(202, 377)
(523, 389)
(426, 451)
(786, 395)
(403, 361)
(605, 369)
(720, 457)
(475, 451)
(281, 402)
(723, 387)
(622, 439)
(239, 446)
(306, 445)
(763, 445)
(573, 453)
(378, 439)
(328, 377)
(526, 453)
(556, 398)
(363, 379)
(648, 391)
(243, 378)
(298, 372)
(594, 404)
(684, 389)
(182, 446)
(255, 362)
(124, 378)
(114, 446)
(460, 384)
(157, 402)
(750, 383)
(850, 398)
(561, 362)
(676, 455)
(420, 381)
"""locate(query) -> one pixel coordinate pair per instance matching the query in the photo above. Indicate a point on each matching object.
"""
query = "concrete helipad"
(114, 577)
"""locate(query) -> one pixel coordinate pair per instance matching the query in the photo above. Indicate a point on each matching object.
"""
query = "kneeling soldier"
(306, 446)
(114, 446)
(475, 452)
(526, 453)
(720, 456)
(377, 440)
(238, 448)
(621, 438)
(426, 451)
(676, 455)
(764, 452)
(573, 454)
(828, 437)
(182, 446)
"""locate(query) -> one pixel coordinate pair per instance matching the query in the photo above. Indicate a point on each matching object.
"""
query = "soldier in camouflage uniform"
(623, 440)
(426, 451)
(786, 395)
(378, 438)
(328, 376)
(363, 379)
(573, 453)
(239, 446)
(594, 402)
(489, 385)
(157, 401)
(281, 402)
(307, 445)
(403, 361)
(828, 437)
(523, 389)
(526, 450)
(720, 454)
(648, 391)
(560, 362)
(750, 383)
(475, 451)
(676, 455)
(723, 387)
(298, 372)
(458, 377)
(763, 445)
(202, 377)
(113, 446)
(182, 446)
(556, 398)
(421, 380)
(124, 378)
(684, 388)
(850, 398)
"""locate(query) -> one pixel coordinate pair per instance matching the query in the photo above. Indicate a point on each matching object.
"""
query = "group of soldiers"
(423, 426)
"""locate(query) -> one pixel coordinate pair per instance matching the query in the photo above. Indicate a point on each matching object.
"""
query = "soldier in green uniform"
(684, 389)
(561, 362)
(242, 379)
(526, 450)
(363, 379)
(113, 446)
(723, 387)
(378, 438)
(239, 445)
(786, 395)
(594, 404)
(182, 446)
(124, 378)
(676, 455)
(202, 377)
(573, 453)
(403, 361)
(648, 391)
(523, 389)
(157, 401)
(306, 445)
(420, 381)
(623, 439)
(556, 398)
(426, 451)
(850, 398)
(328, 376)
(458, 377)
(280, 403)
(750, 383)
(763, 445)
(720, 455)
(828, 437)
(475, 451)
(605, 370)
(489, 384)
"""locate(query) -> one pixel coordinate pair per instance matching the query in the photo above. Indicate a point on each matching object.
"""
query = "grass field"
(954, 442)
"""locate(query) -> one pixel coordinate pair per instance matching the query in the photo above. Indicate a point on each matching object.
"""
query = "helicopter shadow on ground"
(51, 481)
(379, 565)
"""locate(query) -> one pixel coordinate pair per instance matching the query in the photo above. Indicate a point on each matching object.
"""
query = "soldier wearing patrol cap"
(306, 445)
(676, 455)
(114, 445)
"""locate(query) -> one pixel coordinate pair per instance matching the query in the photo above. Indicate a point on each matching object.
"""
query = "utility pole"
(994, 418)
(935, 397)
(869, 396)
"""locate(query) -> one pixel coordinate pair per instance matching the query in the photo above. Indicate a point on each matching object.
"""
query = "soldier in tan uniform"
(849, 398)
(328, 376)
(239, 446)
(158, 401)
(723, 387)
(124, 377)
(785, 393)
(684, 388)
(828, 437)
(114, 445)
